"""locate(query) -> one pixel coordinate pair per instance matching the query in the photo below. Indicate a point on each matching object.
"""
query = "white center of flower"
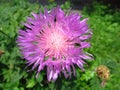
(54, 42)
(57, 40)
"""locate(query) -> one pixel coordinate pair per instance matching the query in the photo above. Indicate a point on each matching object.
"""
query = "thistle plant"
(55, 40)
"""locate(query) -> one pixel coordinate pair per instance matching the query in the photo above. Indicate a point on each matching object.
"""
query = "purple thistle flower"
(55, 40)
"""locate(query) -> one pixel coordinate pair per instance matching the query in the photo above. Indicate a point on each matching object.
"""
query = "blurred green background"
(104, 20)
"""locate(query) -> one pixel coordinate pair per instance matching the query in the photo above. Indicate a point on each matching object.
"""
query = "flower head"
(55, 40)
(103, 73)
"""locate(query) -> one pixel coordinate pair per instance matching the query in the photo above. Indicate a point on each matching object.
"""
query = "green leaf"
(31, 83)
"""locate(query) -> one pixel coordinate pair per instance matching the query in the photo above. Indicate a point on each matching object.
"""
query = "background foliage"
(105, 47)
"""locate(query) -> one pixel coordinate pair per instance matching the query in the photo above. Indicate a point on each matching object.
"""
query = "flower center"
(57, 41)
(54, 43)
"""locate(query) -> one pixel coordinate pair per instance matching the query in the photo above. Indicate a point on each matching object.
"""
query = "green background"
(105, 46)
